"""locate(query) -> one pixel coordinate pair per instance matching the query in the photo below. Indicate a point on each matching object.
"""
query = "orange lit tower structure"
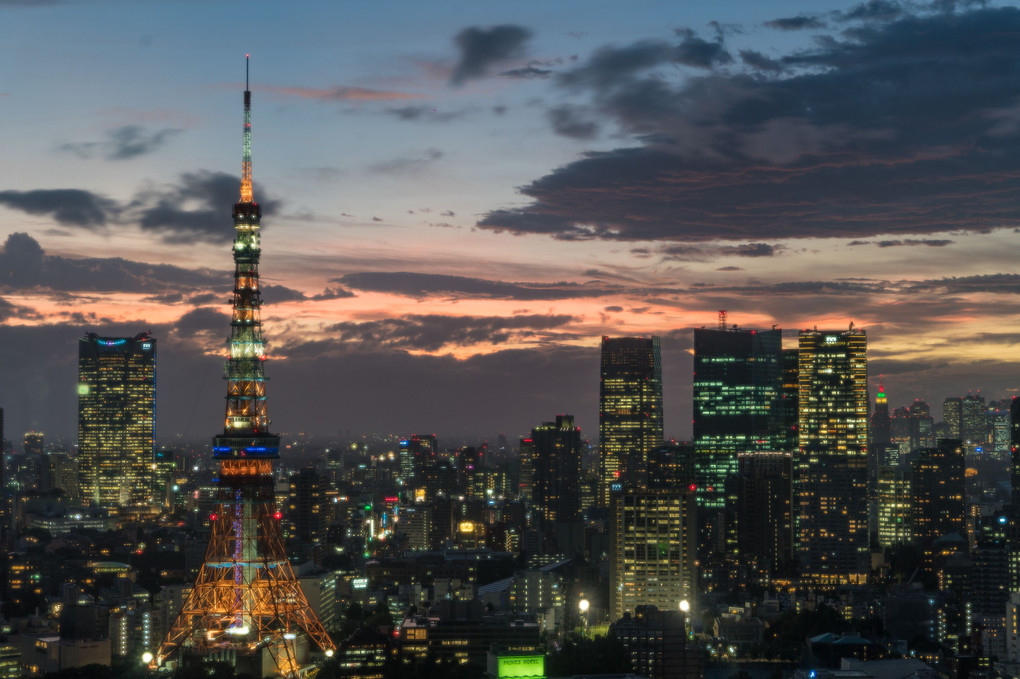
(246, 606)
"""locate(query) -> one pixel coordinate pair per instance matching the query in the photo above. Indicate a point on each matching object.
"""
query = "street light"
(147, 657)
(583, 606)
(685, 608)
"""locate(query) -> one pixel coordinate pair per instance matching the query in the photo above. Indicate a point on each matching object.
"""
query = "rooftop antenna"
(246, 58)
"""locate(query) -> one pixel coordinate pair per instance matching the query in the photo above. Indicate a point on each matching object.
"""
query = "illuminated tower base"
(247, 607)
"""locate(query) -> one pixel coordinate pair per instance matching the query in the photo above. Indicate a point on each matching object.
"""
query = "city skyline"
(411, 287)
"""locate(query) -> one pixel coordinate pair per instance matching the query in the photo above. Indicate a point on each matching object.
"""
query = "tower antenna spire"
(246, 191)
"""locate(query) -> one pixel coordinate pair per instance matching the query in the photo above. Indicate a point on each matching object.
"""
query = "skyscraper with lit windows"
(653, 550)
(738, 378)
(831, 467)
(630, 411)
(557, 475)
(938, 489)
(895, 506)
(116, 418)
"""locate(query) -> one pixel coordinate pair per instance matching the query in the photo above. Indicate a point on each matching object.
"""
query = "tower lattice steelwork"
(246, 601)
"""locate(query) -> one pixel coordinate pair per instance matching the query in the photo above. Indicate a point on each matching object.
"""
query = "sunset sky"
(460, 198)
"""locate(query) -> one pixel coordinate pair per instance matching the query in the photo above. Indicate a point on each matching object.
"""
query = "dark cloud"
(24, 264)
(122, 143)
(422, 112)
(70, 207)
(434, 332)
(730, 268)
(527, 73)
(9, 311)
(612, 65)
(206, 321)
(760, 61)
(335, 292)
(193, 208)
(482, 48)
(749, 250)
(698, 253)
(432, 285)
(181, 213)
(567, 120)
(613, 308)
(280, 293)
(896, 128)
(698, 52)
(796, 23)
(1002, 283)
(930, 242)
(873, 10)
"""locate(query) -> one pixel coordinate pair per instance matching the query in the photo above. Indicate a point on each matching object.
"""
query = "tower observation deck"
(246, 606)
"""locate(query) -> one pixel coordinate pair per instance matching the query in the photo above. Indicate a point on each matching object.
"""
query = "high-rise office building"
(164, 470)
(938, 489)
(471, 475)
(1014, 451)
(652, 550)
(433, 474)
(406, 459)
(60, 473)
(952, 415)
(912, 428)
(116, 418)
(557, 480)
(965, 419)
(738, 377)
(739, 407)
(997, 418)
(630, 411)
(988, 584)
(34, 444)
(974, 425)
(671, 466)
(764, 513)
(881, 450)
(831, 465)
(27, 469)
(895, 506)
(526, 483)
(306, 512)
(881, 423)
(789, 410)
(5, 500)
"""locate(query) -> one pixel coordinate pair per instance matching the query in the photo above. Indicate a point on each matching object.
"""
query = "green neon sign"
(521, 666)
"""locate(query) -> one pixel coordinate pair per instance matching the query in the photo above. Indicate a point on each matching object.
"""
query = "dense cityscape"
(806, 529)
(810, 527)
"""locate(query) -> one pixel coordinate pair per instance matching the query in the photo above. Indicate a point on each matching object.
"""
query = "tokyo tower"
(246, 607)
